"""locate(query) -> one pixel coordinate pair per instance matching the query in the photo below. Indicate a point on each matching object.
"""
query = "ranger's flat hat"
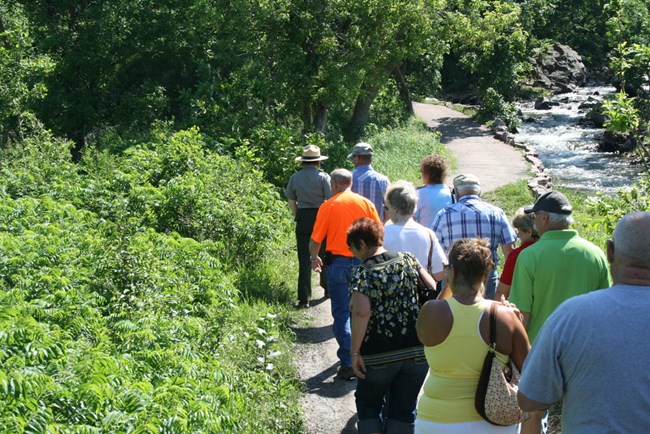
(311, 153)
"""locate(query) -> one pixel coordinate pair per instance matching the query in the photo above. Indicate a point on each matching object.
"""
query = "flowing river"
(569, 150)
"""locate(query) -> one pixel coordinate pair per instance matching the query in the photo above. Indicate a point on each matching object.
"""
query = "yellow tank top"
(454, 368)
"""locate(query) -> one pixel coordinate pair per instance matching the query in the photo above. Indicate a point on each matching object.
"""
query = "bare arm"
(507, 248)
(520, 342)
(359, 316)
(426, 278)
(316, 261)
(527, 404)
(525, 319)
(502, 289)
(293, 205)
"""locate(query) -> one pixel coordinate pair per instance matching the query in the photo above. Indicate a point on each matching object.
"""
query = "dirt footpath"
(328, 404)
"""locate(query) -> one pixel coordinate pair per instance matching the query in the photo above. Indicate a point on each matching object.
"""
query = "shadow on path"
(324, 384)
(458, 128)
(313, 335)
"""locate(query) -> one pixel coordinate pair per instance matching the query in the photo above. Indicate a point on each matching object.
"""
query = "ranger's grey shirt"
(309, 186)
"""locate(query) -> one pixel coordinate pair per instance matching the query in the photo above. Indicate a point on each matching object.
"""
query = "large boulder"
(617, 142)
(558, 68)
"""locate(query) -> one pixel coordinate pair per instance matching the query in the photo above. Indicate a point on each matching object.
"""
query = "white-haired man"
(333, 220)
(471, 217)
(593, 351)
(558, 266)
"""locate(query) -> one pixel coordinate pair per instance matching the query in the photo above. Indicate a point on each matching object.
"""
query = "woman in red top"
(525, 228)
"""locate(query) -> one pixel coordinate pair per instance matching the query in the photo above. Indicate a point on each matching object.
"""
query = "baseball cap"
(551, 201)
(361, 148)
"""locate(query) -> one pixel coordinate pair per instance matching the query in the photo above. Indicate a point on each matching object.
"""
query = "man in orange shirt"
(333, 220)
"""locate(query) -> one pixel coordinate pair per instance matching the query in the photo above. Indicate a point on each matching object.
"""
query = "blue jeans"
(491, 285)
(390, 390)
(338, 281)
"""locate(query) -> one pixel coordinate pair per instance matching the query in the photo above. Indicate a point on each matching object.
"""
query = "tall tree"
(22, 74)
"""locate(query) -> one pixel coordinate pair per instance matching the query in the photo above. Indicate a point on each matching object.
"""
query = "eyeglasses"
(537, 214)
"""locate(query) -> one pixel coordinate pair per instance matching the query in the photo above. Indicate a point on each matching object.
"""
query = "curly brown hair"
(471, 259)
(367, 230)
(434, 168)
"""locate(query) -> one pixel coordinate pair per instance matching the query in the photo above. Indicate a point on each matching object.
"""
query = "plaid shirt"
(473, 218)
(370, 184)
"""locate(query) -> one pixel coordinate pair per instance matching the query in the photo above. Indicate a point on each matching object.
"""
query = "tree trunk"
(354, 130)
(372, 83)
(320, 117)
(404, 92)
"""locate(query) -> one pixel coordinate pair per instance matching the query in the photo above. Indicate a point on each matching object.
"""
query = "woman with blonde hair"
(455, 334)
(404, 234)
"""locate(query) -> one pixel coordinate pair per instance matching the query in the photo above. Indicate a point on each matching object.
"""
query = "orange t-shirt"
(336, 215)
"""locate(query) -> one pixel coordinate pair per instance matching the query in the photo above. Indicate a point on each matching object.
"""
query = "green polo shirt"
(557, 267)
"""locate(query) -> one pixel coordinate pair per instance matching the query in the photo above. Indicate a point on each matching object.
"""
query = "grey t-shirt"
(594, 353)
(309, 187)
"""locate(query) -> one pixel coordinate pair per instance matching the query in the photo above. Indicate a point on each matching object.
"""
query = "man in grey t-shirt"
(592, 353)
(306, 191)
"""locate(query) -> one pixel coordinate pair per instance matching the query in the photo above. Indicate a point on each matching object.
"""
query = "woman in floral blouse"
(387, 357)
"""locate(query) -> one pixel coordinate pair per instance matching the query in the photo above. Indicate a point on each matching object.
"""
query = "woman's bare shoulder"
(434, 322)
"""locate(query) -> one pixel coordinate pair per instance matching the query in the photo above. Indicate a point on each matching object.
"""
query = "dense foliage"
(241, 70)
(113, 319)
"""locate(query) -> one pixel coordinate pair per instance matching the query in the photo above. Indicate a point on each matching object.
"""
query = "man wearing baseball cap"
(471, 217)
(557, 267)
(366, 181)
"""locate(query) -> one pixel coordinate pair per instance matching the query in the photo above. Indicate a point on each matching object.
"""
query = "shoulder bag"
(424, 292)
(496, 393)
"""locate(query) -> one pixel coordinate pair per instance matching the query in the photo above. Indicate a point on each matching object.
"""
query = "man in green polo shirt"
(557, 267)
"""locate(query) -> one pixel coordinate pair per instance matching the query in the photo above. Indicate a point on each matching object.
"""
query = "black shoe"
(303, 305)
(345, 373)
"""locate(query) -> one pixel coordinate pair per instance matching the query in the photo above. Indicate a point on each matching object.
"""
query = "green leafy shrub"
(493, 105)
(607, 210)
(107, 329)
(622, 116)
(125, 285)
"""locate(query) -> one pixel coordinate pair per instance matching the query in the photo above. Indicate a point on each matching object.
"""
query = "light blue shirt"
(593, 353)
(431, 199)
(370, 184)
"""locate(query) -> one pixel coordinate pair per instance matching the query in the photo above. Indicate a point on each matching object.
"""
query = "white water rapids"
(569, 150)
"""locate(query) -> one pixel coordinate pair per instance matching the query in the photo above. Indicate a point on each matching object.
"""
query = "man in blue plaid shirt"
(366, 181)
(470, 217)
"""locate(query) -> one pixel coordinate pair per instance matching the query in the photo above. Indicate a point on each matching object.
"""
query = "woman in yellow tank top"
(455, 334)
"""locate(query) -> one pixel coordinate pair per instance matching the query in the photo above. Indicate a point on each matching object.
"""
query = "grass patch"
(510, 197)
(513, 196)
(398, 151)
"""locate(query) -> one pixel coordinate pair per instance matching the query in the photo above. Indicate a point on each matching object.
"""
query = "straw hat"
(311, 153)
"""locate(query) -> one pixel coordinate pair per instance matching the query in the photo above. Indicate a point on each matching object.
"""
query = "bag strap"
(430, 253)
(493, 325)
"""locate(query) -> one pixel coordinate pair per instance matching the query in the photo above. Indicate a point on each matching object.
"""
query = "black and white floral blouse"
(389, 280)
